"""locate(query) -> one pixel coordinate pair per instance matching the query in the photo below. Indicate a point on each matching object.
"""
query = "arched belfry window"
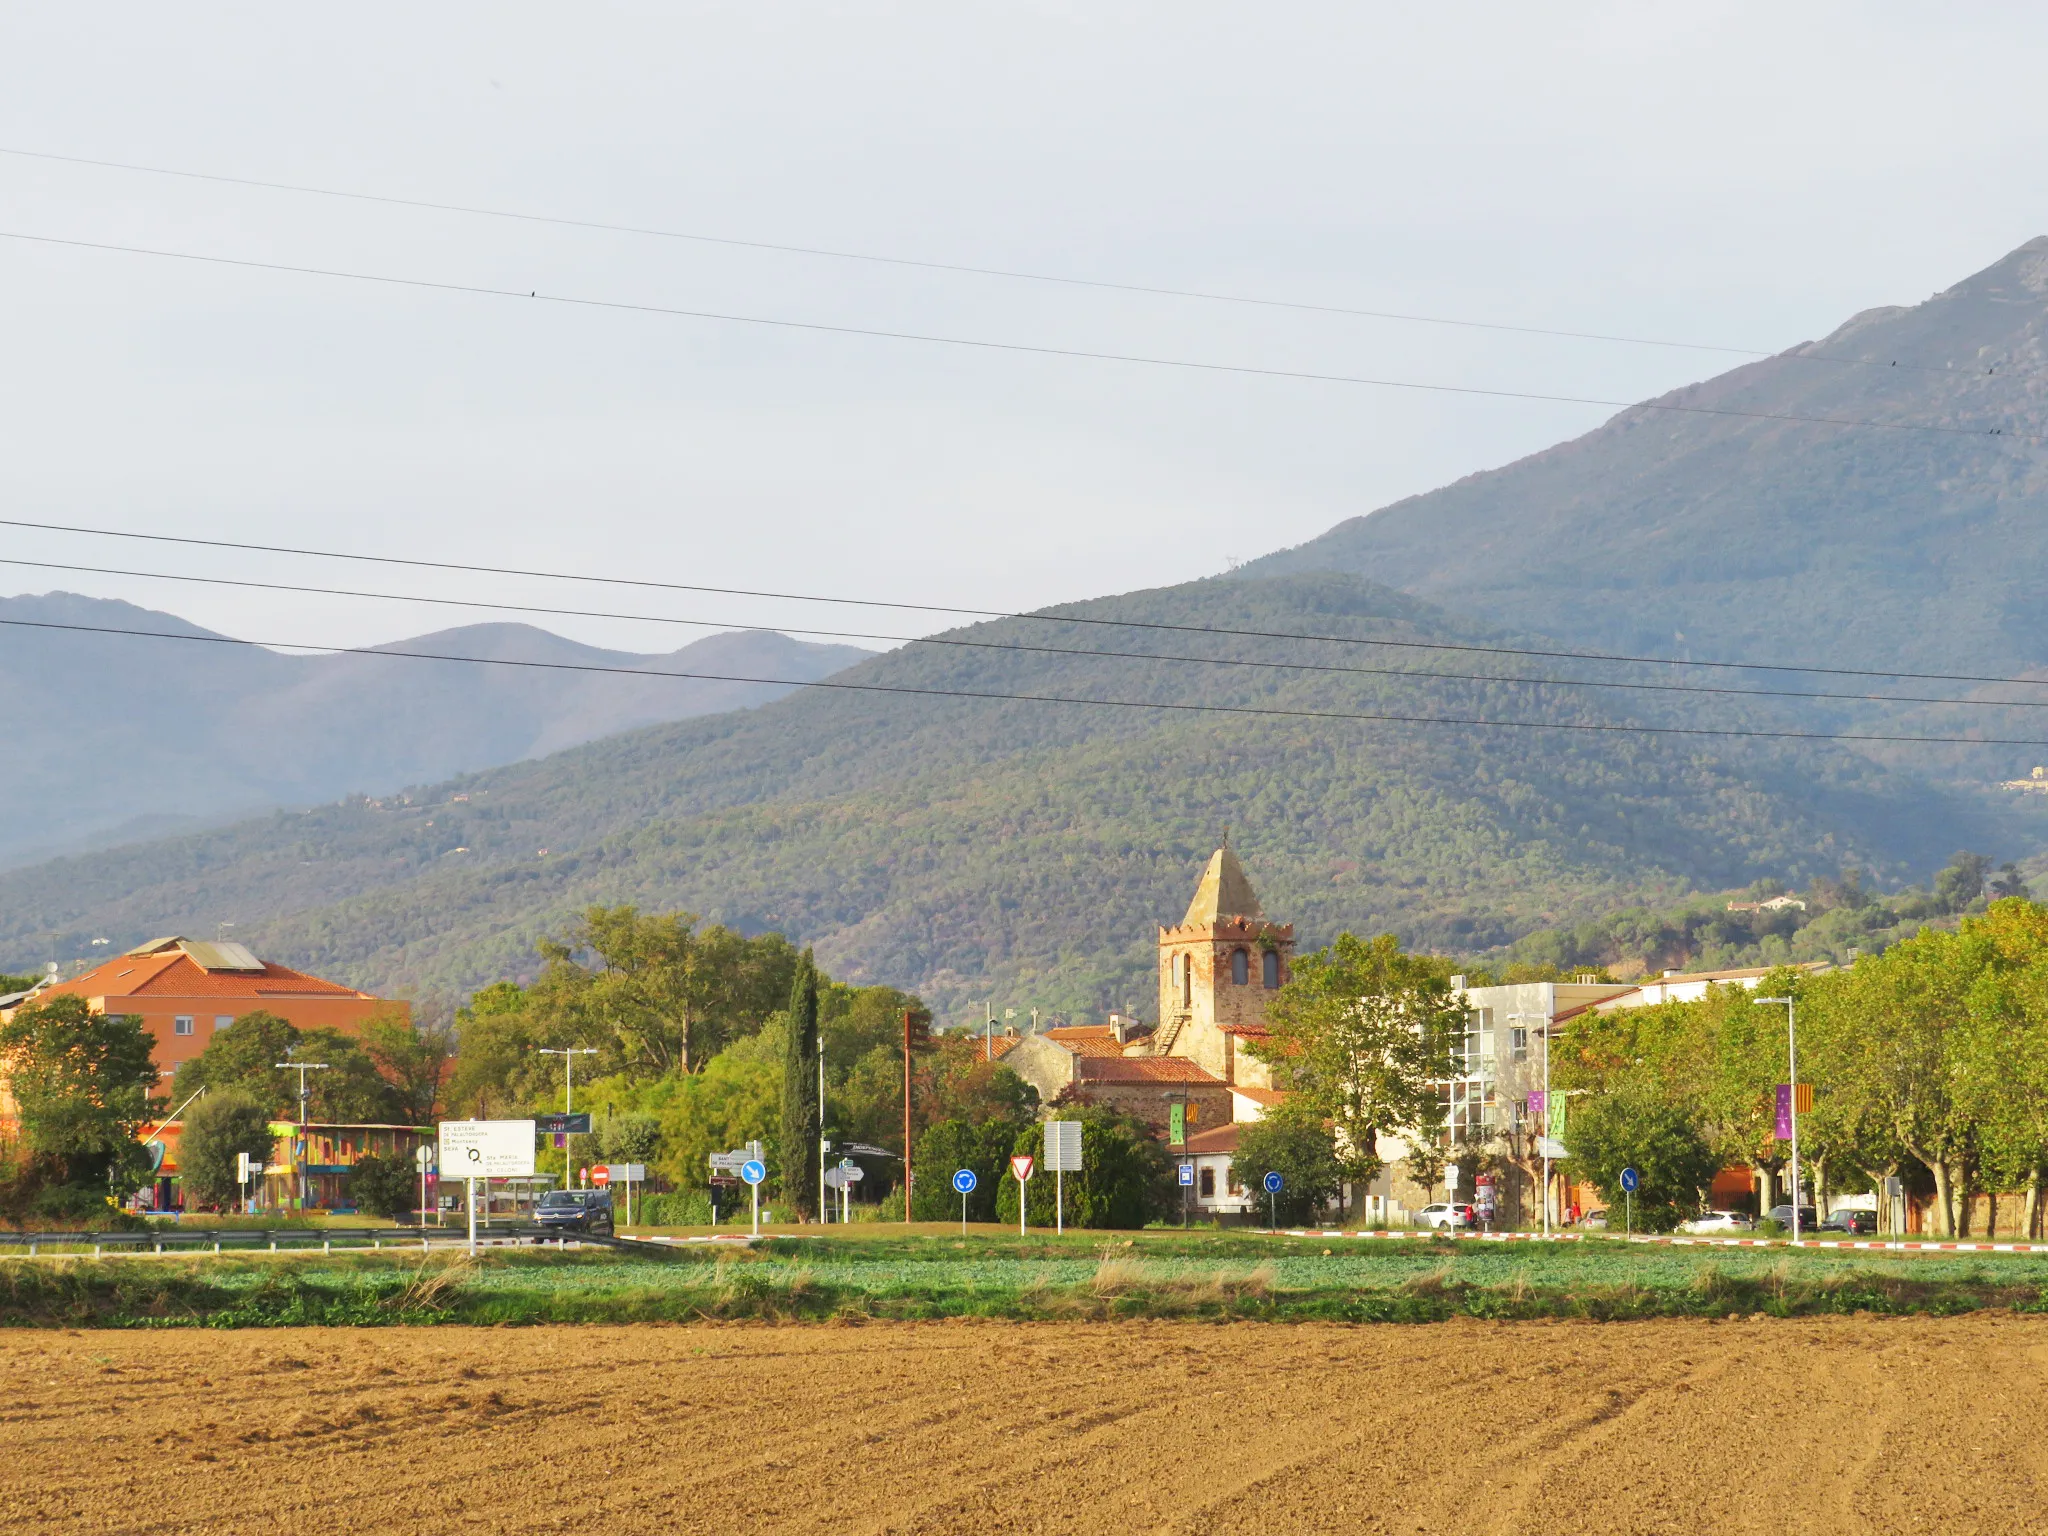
(1187, 981)
(1240, 967)
(1271, 966)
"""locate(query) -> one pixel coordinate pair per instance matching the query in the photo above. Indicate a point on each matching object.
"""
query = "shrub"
(384, 1186)
(1122, 1183)
(217, 1129)
(1297, 1146)
(683, 1208)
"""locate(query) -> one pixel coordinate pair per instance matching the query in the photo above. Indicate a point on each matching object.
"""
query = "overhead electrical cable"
(957, 642)
(1175, 706)
(922, 264)
(985, 344)
(1617, 658)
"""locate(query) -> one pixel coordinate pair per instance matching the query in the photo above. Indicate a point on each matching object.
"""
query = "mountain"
(112, 736)
(1709, 535)
(1023, 852)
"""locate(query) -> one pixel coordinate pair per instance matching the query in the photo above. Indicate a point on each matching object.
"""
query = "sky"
(1741, 176)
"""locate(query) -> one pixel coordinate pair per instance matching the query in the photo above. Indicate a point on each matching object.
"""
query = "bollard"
(327, 1245)
(376, 1242)
(31, 1250)
(216, 1245)
(95, 1250)
(273, 1245)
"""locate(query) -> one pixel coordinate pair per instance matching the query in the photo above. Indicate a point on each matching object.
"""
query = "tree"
(801, 1128)
(1363, 1033)
(1122, 1183)
(1293, 1143)
(243, 1057)
(384, 1186)
(1635, 1126)
(216, 1131)
(1962, 882)
(984, 1148)
(351, 1091)
(81, 1083)
(415, 1060)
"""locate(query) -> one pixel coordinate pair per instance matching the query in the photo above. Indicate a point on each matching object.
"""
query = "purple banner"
(1536, 1102)
(1784, 1111)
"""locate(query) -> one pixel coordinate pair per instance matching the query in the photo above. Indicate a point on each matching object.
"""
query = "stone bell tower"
(1217, 969)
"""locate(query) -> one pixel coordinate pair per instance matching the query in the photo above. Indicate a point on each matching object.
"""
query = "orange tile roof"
(1081, 1039)
(1143, 1069)
(175, 975)
(1266, 1096)
(1219, 1139)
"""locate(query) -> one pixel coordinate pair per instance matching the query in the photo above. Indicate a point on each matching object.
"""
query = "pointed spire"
(1224, 892)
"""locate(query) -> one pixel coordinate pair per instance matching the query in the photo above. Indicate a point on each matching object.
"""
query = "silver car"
(1718, 1221)
(1441, 1217)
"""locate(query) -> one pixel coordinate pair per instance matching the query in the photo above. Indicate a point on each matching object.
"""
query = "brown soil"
(1720, 1429)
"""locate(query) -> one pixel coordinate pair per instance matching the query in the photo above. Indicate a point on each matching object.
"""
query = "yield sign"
(1021, 1165)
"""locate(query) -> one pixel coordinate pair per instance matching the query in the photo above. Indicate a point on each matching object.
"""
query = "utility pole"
(568, 1055)
(1792, 1107)
(824, 1146)
(298, 1157)
(988, 1031)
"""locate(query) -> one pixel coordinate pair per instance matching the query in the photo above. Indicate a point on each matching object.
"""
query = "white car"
(1442, 1217)
(1717, 1221)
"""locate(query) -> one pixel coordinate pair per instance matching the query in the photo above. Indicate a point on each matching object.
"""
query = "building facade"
(1218, 969)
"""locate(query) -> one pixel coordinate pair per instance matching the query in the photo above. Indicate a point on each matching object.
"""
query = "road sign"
(753, 1170)
(847, 1162)
(1063, 1146)
(964, 1181)
(1021, 1167)
(423, 1155)
(1550, 1147)
(1452, 1173)
(562, 1125)
(627, 1173)
(600, 1175)
(728, 1162)
(1187, 1173)
(1630, 1180)
(840, 1177)
(486, 1149)
(1273, 1182)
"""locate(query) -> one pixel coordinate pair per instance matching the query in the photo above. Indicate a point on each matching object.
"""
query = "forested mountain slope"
(1024, 851)
(1729, 535)
(107, 732)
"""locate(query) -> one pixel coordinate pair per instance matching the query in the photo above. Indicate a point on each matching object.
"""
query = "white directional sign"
(1451, 1174)
(1063, 1146)
(1551, 1147)
(486, 1149)
(728, 1162)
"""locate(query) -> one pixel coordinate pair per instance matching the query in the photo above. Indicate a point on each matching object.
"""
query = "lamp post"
(1792, 1093)
(568, 1055)
(298, 1158)
(1543, 1125)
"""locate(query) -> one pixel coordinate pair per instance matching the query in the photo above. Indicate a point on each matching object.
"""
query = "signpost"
(1020, 1169)
(486, 1149)
(243, 1163)
(843, 1178)
(424, 1156)
(753, 1170)
(601, 1175)
(627, 1174)
(1062, 1156)
(1187, 1184)
(963, 1183)
(1273, 1182)
(1630, 1179)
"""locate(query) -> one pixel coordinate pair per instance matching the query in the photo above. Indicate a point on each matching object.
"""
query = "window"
(1270, 967)
(1187, 979)
(182, 1024)
(1240, 967)
(1207, 1188)
(223, 1020)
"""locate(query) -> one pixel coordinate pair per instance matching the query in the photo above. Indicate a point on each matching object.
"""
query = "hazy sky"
(1741, 175)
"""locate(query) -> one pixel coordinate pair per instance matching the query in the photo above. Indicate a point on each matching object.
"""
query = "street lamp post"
(1542, 1125)
(1792, 1093)
(298, 1158)
(568, 1055)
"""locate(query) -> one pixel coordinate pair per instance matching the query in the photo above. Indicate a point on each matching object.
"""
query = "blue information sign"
(1630, 1180)
(963, 1182)
(1273, 1182)
(753, 1170)
(1187, 1173)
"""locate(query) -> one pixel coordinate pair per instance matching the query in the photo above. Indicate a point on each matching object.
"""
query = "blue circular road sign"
(753, 1170)
(963, 1182)
(1273, 1183)
(1630, 1179)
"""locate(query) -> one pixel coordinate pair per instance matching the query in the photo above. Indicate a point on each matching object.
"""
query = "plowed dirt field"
(1721, 1429)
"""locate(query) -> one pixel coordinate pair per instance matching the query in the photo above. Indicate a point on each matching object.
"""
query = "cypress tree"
(800, 1127)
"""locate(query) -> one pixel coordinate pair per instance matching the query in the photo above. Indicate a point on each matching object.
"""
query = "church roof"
(1224, 892)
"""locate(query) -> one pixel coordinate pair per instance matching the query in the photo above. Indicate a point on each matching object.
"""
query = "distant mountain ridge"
(1769, 540)
(107, 732)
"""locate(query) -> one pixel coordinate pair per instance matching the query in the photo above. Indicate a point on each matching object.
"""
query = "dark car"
(1809, 1218)
(1857, 1223)
(575, 1210)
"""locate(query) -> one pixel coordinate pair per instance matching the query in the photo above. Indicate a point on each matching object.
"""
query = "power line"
(1028, 649)
(1011, 273)
(1611, 657)
(1036, 698)
(983, 344)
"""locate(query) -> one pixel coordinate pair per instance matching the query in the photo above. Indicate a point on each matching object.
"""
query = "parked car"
(1717, 1221)
(1856, 1222)
(1594, 1221)
(575, 1210)
(1444, 1217)
(1809, 1218)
